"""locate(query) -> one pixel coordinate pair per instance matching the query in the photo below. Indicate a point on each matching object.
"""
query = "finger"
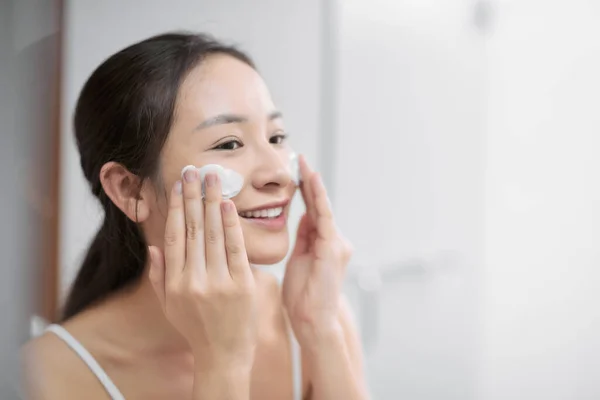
(305, 187)
(325, 222)
(157, 273)
(302, 236)
(296, 272)
(174, 246)
(195, 261)
(345, 252)
(237, 259)
(216, 259)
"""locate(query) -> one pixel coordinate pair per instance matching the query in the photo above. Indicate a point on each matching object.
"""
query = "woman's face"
(225, 116)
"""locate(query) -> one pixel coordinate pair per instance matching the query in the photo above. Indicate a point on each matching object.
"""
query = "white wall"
(409, 187)
(542, 313)
(489, 140)
(275, 33)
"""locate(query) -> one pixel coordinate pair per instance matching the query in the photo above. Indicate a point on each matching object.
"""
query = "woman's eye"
(278, 139)
(231, 145)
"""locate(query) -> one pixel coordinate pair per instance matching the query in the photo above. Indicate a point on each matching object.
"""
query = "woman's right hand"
(203, 281)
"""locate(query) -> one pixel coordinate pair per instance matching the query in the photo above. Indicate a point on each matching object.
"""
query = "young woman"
(166, 304)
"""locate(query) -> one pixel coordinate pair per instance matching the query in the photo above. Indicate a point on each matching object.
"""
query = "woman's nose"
(272, 170)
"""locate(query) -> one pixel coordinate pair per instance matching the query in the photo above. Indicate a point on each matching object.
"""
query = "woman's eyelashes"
(235, 144)
(279, 138)
(229, 145)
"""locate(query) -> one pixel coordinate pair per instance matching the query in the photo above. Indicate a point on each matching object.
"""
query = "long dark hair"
(124, 114)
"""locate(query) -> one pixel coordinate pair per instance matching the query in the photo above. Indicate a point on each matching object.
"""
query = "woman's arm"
(313, 298)
(227, 383)
(336, 362)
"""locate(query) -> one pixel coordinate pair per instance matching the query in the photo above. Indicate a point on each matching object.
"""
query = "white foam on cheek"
(231, 181)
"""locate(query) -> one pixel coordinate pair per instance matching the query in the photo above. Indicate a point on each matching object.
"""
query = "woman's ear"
(125, 190)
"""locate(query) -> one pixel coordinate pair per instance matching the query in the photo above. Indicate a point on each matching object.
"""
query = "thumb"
(157, 273)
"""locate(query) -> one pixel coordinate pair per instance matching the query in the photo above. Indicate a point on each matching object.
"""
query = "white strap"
(115, 394)
(93, 365)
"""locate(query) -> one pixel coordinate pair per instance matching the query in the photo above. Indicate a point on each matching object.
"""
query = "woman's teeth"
(266, 213)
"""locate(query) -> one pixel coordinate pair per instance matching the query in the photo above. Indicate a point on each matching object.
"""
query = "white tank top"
(114, 392)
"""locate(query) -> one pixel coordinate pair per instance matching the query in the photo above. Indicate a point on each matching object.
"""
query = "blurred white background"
(458, 139)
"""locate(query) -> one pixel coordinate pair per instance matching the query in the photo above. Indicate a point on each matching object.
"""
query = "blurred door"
(38, 39)
(29, 110)
(409, 190)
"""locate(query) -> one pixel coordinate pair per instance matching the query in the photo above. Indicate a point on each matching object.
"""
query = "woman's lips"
(274, 223)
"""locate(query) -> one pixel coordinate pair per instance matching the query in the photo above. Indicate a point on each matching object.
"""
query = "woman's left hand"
(316, 268)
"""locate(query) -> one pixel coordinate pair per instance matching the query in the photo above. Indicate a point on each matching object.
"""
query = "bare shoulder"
(51, 370)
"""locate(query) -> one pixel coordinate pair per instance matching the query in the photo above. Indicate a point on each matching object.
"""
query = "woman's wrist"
(238, 363)
(222, 381)
(330, 364)
(314, 339)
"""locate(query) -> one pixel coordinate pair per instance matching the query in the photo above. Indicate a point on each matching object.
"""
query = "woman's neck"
(134, 320)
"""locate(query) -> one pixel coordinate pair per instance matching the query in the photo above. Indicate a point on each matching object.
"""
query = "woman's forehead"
(224, 85)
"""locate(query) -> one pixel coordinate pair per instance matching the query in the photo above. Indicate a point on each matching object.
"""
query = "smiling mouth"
(266, 213)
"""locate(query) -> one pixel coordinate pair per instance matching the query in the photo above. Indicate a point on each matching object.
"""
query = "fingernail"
(211, 179)
(190, 175)
(227, 206)
(177, 187)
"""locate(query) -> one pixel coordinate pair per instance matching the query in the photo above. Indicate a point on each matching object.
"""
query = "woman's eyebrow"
(223, 119)
(275, 115)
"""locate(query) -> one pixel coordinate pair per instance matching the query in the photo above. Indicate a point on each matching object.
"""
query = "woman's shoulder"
(51, 370)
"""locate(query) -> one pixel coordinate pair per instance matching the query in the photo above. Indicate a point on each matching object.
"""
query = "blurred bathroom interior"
(458, 140)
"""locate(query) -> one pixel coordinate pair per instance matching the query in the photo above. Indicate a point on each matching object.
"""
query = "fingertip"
(152, 264)
(156, 257)
(302, 159)
(304, 168)
(317, 188)
(212, 186)
(151, 252)
(178, 188)
(151, 258)
(175, 200)
(155, 274)
(186, 169)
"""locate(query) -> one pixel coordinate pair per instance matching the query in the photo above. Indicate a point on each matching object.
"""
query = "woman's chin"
(266, 259)
(266, 248)
(267, 253)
